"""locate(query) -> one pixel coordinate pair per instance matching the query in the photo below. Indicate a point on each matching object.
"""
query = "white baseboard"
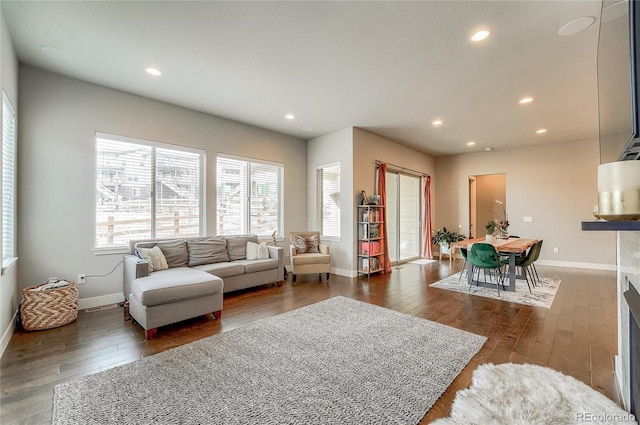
(84, 303)
(8, 333)
(577, 265)
(344, 272)
(624, 395)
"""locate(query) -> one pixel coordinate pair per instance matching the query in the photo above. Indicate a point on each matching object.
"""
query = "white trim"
(84, 303)
(623, 392)
(8, 333)
(344, 272)
(8, 264)
(577, 265)
(146, 142)
(111, 250)
(329, 164)
(248, 159)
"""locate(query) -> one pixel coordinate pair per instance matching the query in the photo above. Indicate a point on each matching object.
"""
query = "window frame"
(11, 257)
(247, 218)
(320, 200)
(154, 145)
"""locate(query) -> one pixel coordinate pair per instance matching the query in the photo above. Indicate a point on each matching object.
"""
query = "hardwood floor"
(577, 336)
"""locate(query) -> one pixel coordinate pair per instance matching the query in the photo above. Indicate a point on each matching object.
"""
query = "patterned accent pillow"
(312, 244)
(300, 243)
(154, 257)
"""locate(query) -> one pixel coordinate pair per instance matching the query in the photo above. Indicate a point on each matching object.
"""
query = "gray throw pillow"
(237, 246)
(175, 252)
(207, 251)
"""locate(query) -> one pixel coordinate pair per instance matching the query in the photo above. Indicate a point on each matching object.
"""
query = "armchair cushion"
(311, 258)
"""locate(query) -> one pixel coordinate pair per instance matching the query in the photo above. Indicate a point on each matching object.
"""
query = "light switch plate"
(528, 219)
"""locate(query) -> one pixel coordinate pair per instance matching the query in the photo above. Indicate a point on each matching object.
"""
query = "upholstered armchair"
(308, 255)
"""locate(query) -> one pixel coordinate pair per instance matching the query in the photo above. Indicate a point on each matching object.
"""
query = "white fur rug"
(514, 394)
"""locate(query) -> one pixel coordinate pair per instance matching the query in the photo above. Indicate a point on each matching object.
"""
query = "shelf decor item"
(48, 308)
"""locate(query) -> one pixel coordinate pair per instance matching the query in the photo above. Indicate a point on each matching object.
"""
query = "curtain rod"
(399, 168)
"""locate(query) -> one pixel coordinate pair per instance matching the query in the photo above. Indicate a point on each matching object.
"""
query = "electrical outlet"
(82, 278)
(528, 219)
(556, 250)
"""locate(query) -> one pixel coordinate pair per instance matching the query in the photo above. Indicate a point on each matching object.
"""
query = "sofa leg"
(217, 314)
(328, 276)
(293, 278)
(320, 276)
(150, 333)
(127, 316)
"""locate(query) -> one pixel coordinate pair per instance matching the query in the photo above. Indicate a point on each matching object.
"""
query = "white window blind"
(329, 178)
(249, 196)
(8, 178)
(146, 189)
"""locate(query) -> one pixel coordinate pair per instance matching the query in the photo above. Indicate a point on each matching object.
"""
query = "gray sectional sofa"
(199, 270)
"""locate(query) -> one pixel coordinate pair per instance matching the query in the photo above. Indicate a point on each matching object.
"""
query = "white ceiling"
(388, 67)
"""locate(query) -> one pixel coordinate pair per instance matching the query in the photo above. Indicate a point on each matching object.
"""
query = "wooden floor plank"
(577, 335)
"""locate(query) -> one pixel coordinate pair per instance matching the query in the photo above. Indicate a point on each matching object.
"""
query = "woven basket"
(48, 309)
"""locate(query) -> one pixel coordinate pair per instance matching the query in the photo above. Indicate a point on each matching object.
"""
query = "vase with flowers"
(498, 227)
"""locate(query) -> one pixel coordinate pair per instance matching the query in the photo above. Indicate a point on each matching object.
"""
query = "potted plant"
(444, 238)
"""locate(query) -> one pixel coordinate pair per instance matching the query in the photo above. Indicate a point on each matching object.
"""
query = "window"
(146, 190)
(249, 196)
(8, 179)
(329, 191)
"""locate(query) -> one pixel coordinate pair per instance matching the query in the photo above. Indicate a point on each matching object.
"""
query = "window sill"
(8, 264)
(330, 238)
(111, 251)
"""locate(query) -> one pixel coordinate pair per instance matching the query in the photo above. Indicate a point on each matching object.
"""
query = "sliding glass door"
(403, 216)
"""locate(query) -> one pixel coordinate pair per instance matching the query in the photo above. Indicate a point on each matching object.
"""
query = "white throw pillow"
(263, 251)
(257, 251)
(154, 257)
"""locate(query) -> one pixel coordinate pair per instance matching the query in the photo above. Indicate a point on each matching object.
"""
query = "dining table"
(511, 247)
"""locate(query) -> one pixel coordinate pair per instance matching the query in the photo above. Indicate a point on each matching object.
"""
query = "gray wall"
(555, 184)
(59, 116)
(9, 295)
(334, 147)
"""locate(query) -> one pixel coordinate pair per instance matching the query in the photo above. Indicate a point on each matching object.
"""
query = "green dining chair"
(483, 256)
(463, 252)
(533, 264)
(526, 261)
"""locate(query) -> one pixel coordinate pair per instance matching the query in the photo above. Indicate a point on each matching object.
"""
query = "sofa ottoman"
(171, 296)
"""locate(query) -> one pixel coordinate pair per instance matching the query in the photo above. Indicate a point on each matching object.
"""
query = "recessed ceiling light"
(290, 116)
(153, 71)
(471, 143)
(541, 131)
(488, 149)
(480, 35)
(436, 122)
(525, 100)
(577, 25)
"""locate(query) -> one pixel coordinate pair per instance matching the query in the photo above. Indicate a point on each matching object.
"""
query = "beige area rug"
(525, 394)
(540, 296)
(339, 361)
